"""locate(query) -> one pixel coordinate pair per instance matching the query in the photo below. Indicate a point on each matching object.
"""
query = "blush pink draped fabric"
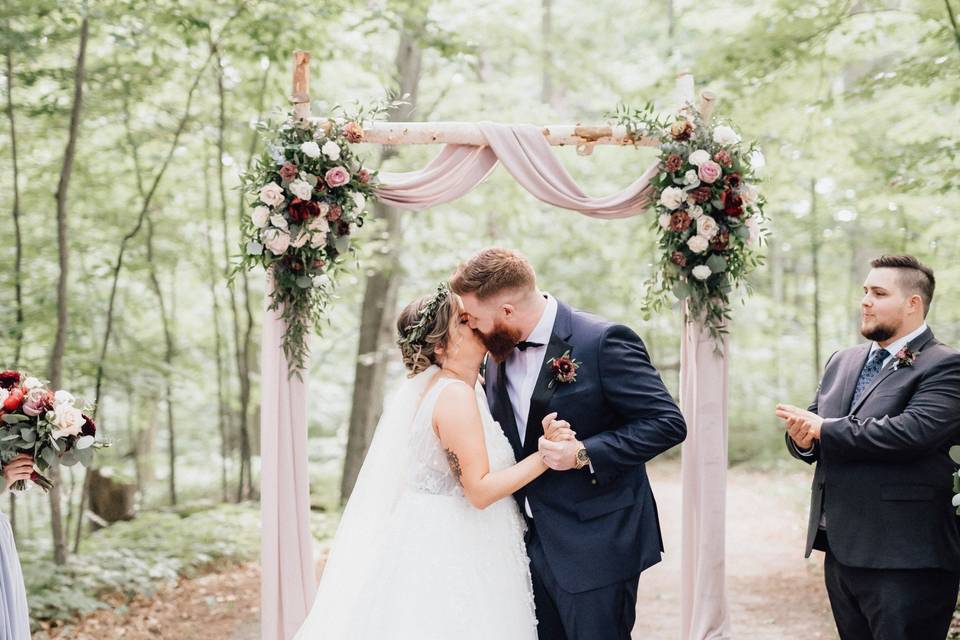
(288, 582)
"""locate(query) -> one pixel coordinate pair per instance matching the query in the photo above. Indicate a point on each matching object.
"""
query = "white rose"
(63, 397)
(358, 201)
(757, 162)
(664, 220)
(707, 227)
(324, 209)
(32, 383)
(701, 272)
(725, 135)
(276, 241)
(749, 194)
(698, 157)
(672, 197)
(300, 188)
(300, 240)
(260, 216)
(271, 194)
(695, 211)
(310, 149)
(279, 221)
(319, 225)
(67, 419)
(317, 240)
(691, 179)
(331, 149)
(698, 244)
(321, 281)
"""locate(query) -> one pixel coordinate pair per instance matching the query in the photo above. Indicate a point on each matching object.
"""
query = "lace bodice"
(430, 471)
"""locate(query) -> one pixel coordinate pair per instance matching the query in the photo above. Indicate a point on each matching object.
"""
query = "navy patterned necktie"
(869, 373)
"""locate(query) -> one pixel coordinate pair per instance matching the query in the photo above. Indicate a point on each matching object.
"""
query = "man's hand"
(802, 425)
(20, 468)
(559, 456)
(557, 430)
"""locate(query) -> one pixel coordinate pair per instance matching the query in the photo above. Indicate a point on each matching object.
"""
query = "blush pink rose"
(709, 172)
(337, 177)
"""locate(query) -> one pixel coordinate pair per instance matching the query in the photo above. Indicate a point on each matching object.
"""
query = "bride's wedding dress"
(412, 559)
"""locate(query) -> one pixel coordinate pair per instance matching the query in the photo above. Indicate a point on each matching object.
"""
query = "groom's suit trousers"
(607, 613)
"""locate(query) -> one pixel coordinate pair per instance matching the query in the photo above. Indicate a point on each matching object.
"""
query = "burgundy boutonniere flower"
(904, 358)
(563, 368)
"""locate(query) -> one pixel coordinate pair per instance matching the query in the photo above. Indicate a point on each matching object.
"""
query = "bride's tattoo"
(454, 463)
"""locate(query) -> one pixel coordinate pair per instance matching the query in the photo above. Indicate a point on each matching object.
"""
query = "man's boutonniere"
(563, 368)
(904, 358)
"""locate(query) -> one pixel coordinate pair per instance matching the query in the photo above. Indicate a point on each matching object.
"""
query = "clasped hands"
(558, 445)
(803, 426)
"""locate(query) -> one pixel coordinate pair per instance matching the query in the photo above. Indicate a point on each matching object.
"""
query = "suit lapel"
(503, 409)
(543, 391)
(915, 345)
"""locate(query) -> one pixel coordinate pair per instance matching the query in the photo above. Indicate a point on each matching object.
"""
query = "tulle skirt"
(14, 618)
(447, 570)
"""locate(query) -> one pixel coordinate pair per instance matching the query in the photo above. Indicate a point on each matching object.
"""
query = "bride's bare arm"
(457, 421)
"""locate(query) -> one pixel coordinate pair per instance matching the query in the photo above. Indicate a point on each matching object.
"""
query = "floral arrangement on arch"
(709, 212)
(308, 193)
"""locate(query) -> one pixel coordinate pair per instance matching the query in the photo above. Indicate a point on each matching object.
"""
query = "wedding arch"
(471, 151)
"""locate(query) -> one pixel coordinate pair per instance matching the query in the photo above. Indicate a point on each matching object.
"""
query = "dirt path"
(774, 593)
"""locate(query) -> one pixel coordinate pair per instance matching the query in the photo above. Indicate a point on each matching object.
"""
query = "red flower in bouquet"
(334, 213)
(353, 132)
(14, 399)
(9, 379)
(288, 171)
(302, 210)
(721, 241)
(680, 221)
(732, 204)
(673, 163)
(678, 259)
(723, 158)
(701, 194)
(733, 181)
(89, 426)
(364, 176)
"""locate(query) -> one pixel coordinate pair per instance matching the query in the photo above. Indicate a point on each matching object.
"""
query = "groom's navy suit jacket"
(883, 474)
(597, 528)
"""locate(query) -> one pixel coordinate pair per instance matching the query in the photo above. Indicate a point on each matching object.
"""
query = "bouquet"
(45, 425)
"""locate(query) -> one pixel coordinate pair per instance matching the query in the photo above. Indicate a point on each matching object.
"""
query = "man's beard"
(879, 332)
(500, 342)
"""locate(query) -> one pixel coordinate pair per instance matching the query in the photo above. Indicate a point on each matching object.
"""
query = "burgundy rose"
(701, 194)
(732, 204)
(720, 241)
(288, 171)
(353, 132)
(334, 213)
(9, 379)
(301, 210)
(733, 181)
(89, 426)
(336, 177)
(678, 259)
(723, 158)
(680, 221)
(673, 163)
(343, 228)
(563, 368)
(364, 176)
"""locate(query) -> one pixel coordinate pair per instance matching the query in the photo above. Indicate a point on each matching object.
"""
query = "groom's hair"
(914, 276)
(492, 271)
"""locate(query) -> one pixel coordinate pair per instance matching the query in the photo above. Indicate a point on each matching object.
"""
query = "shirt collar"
(542, 332)
(894, 347)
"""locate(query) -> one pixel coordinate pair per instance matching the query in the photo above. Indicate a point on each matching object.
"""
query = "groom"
(879, 432)
(592, 522)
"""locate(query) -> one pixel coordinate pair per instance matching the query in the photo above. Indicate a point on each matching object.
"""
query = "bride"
(427, 547)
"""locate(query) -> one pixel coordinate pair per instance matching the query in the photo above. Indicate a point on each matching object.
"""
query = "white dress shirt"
(523, 369)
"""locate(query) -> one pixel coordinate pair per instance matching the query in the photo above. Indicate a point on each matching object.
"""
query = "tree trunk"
(59, 345)
(166, 320)
(815, 272)
(379, 298)
(213, 276)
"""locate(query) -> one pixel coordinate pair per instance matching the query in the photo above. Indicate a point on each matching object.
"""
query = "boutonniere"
(904, 358)
(563, 368)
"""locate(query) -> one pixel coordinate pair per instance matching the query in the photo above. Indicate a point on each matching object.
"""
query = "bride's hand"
(557, 430)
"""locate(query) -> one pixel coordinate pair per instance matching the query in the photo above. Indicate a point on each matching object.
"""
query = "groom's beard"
(500, 342)
(878, 332)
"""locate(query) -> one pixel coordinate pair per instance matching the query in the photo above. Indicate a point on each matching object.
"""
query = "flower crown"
(415, 333)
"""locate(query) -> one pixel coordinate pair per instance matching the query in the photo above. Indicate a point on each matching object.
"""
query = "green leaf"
(717, 263)
(28, 435)
(14, 418)
(681, 290)
(49, 456)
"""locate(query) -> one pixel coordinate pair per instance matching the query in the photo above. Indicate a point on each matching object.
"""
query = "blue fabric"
(14, 617)
(869, 373)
